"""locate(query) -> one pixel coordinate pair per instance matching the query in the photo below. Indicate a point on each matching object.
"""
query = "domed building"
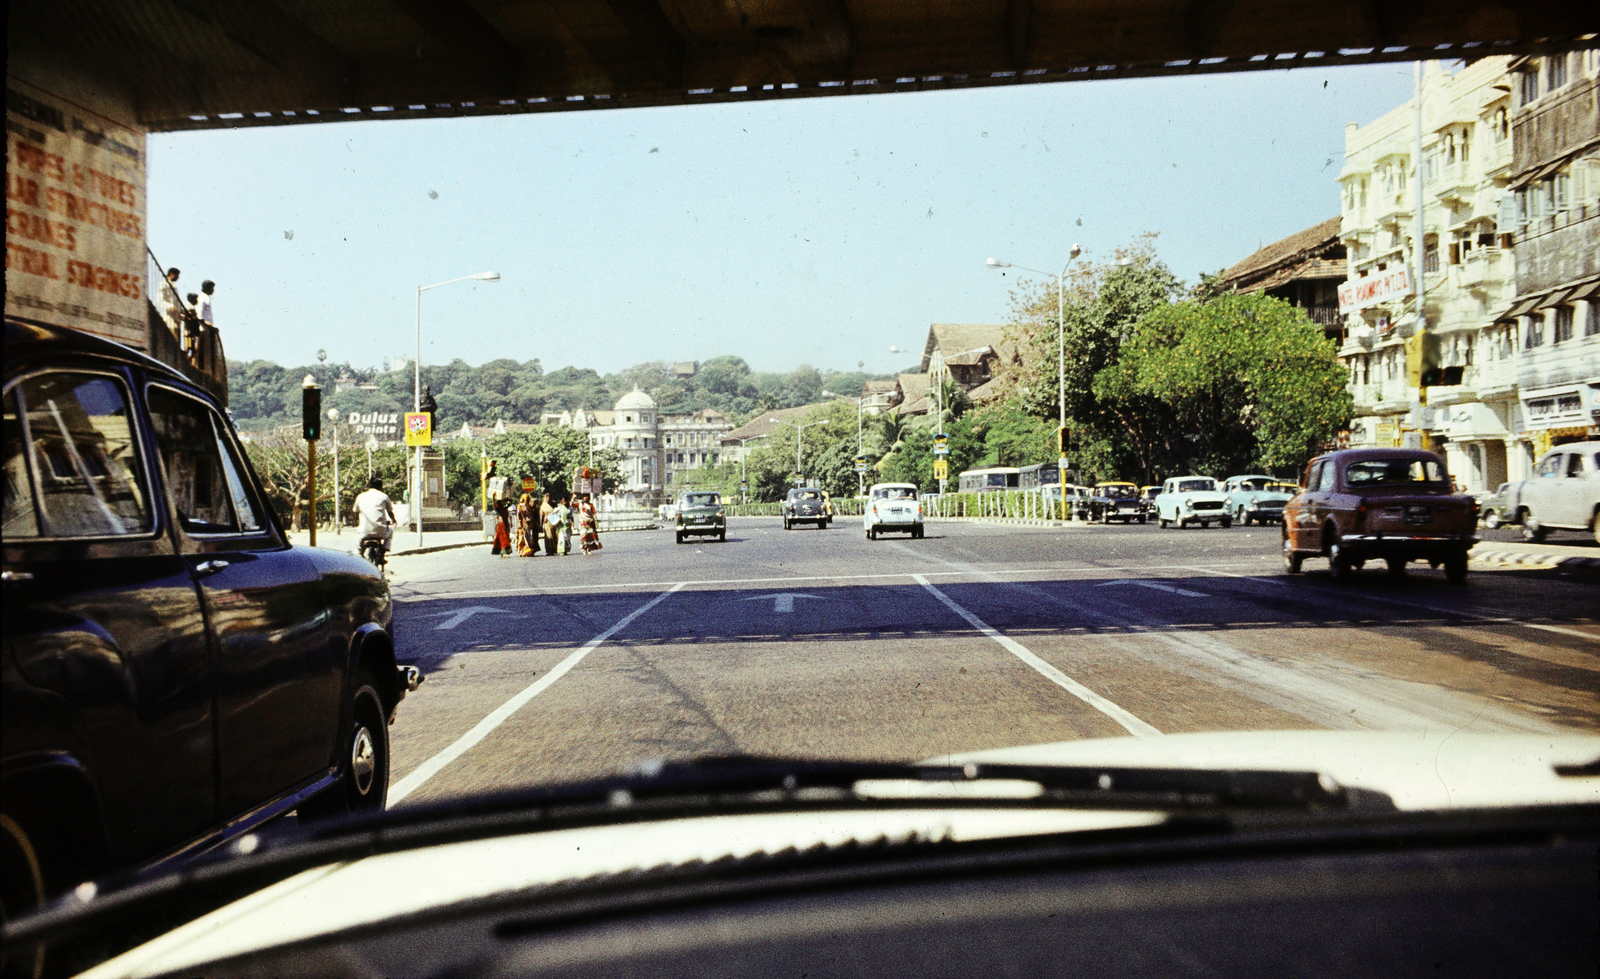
(659, 450)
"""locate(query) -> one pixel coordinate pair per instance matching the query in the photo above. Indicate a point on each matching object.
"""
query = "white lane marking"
(499, 715)
(1067, 683)
(461, 615)
(547, 589)
(783, 602)
(1153, 584)
(1474, 616)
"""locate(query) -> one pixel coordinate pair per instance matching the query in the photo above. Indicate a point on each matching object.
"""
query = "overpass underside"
(209, 64)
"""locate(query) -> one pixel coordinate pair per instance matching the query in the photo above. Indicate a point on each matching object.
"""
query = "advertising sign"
(1380, 287)
(861, 464)
(419, 428)
(941, 444)
(941, 469)
(75, 213)
(385, 426)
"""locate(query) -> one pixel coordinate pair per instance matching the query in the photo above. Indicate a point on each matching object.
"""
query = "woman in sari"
(561, 519)
(527, 525)
(502, 528)
(588, 525)
(547, 528)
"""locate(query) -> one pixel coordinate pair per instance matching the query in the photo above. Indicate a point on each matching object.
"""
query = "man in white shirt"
(203, 309)
(376, 513)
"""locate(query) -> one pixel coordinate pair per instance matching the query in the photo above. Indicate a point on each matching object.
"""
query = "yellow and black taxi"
(699, 514)
(175, 672)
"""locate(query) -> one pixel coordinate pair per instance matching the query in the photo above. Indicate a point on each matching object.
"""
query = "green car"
(700, 514)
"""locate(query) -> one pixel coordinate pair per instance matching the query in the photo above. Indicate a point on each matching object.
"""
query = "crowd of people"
(547, 523)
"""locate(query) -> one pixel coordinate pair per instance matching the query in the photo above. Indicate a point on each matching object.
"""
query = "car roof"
(1357, 455)
(27, 340)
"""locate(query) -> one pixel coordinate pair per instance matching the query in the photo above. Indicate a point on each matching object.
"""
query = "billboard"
(1380, 287)
(385, 426)
(75, 213)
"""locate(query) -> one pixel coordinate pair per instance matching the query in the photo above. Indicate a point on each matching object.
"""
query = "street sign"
(528, 485)
(941, 469)
(861, 464)
(941, 444)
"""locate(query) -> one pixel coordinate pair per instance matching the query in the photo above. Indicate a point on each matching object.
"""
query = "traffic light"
(311, 413)
(1422, 360)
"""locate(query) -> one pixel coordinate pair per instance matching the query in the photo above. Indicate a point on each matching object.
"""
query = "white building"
(1511, 266)
(659, 449)
(1467, 269)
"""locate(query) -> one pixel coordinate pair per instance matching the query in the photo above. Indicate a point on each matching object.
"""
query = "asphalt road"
(823, 644)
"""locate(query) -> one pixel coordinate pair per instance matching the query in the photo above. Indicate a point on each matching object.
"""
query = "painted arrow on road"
(782, 602)
(1153, 584)
(463, 614)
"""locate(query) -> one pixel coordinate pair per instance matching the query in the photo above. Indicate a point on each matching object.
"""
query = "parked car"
(1564, 492)
(175, 672)
(699, 514)
(1393, 505)
(1192, 499)
(892, 507)
(1499, 507)
(1257, 499)
(1077, 498)
(805, 504)
(1147, 500)
(1116, 501)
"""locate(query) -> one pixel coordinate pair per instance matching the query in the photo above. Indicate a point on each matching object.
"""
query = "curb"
(1533, 561)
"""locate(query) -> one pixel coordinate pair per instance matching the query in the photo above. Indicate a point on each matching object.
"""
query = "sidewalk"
(405, 541)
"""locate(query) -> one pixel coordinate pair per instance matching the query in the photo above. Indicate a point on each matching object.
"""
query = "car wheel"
(872, 533)
(1291, 558)
(1141, 518)
(1532, 530)
(1491, 519)
(1455, 568)
(364, 785)
(722, 535)
(1161, 522)
(1397, 566)
(1339, 562)
(680, 537)
(1205, 525)
(785, 523)
(1594, 525)
(1226, 522)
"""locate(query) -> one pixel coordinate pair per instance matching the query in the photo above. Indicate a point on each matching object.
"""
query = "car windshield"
(1392, 472)
(962, 253)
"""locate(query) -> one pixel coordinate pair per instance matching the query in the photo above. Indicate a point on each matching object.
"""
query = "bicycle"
(375, 550)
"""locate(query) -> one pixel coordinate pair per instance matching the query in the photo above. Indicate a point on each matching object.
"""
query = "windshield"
(777, 281)
(1392, 472)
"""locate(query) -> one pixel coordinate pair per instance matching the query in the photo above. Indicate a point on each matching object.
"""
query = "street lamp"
(416, 491)
(860, 477)
(333, 416)
(799, 432)
(744, 483)
(1061, 354)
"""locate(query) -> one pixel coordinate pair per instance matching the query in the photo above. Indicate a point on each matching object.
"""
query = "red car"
(1364, 505)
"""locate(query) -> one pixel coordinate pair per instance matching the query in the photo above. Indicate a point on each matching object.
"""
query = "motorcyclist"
(376, 513)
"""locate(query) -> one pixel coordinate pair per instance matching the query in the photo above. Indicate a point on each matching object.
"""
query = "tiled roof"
(957, 338)
(766, 423)
(913, 386)
(1311, 268)
(1310, 243)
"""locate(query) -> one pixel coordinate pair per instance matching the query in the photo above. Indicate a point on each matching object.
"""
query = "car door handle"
(210, 567)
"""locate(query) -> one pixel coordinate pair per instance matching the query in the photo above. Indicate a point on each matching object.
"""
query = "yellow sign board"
(419, 428)
(941, 469)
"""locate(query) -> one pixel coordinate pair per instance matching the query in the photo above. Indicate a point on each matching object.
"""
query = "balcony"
(1493, 381)
(1483, 268)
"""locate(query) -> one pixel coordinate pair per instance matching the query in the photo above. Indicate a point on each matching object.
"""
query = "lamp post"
(372, 446)
(416, 486)
(743, 481)
(799, 434)
(1061, 358)
(338, 521)
(860, 478)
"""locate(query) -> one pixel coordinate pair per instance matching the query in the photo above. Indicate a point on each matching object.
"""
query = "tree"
(912, 462)
(1241, 382)
(551, 454)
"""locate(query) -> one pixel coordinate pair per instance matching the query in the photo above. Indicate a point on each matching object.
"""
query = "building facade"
(1467, 271)
(1304, 270)
(659, 449)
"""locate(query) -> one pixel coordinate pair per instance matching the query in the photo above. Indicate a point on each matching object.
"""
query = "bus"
(991, 479)
(1033, 478)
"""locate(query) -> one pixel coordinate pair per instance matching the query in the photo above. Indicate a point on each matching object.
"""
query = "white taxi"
(892, 507)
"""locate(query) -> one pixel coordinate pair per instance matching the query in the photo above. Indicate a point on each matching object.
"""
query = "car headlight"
(1187, 505)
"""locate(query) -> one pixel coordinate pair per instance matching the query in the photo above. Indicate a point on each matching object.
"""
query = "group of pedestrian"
(551, 523)
(188, 320)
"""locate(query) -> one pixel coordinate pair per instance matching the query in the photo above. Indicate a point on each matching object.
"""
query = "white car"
(1192, 499)
(892, 506)
(1563, 493)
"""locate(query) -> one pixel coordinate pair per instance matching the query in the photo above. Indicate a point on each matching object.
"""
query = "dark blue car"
(175, 672)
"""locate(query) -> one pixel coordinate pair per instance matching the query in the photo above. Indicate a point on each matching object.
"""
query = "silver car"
(1564, 492)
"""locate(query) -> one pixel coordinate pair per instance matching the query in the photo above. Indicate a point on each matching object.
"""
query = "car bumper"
(1414, 546)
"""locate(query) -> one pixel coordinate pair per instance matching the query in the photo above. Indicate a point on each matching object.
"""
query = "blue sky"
(818, 231)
